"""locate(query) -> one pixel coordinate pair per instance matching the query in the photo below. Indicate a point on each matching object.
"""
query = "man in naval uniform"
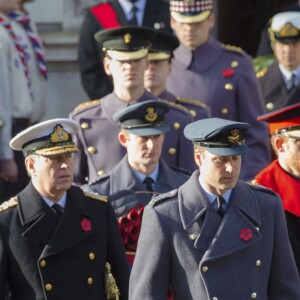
(126, 60)
(283, 174)
(159, 68)
(221, 76)
(57, 242)
(215, 237)
(111, 14)
(280, 81)
(142, 173)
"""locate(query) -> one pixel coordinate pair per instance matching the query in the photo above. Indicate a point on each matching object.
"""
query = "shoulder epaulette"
(95, 196)
(162, 197)
(191, 101)
(234, 48)
(9, 203)
(261, 73)
(99, 178)
(177, 106)
(86, 105)
(182, 170)
(261, 188)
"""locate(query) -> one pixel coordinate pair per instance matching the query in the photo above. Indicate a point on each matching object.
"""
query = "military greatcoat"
(185, 243)
(44, 257)
(223, 78)
(98, 142)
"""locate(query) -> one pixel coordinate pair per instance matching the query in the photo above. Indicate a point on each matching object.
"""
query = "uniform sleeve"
(284, 279)
(150, 272)
(93, 77)
(250, 106)
(3, 268)
(116, 256)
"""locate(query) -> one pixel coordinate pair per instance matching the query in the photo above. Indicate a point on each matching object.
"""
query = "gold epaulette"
(191, 101)
(87, 104)
(261, 73)
(95, 196)
(9, 203)
(253, 182)
(176, 105)
(234, 48)
(111, 288)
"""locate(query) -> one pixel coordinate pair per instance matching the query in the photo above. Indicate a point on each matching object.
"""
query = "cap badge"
(288, 30)
(127, 38)
(59, 134)
(151, 115)
(234, 138)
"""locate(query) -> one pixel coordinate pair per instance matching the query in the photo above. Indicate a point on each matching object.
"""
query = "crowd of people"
(177, 179)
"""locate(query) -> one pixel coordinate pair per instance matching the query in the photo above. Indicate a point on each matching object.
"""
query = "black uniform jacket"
(274, 89)
(44, 257)
(94, 79)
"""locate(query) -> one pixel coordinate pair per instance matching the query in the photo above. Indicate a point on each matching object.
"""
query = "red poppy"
(246, 234)
(86, 224)
(228, 72)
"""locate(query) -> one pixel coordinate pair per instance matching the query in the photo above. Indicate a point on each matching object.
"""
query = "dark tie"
(292, 82)
(149, 181)
(133, 21)
(221, 206)
(58, 209)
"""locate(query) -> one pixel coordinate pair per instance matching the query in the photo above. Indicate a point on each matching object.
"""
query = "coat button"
(43, 263)
(85, 125)
(192, 236)
(48, 287)
(270, 106)
(215, 298)
(193, 113)
(253, 296)
(172, 151)
(228, 87)
(101, 173)
(204, 268)
(91, 256)
(224, 111)
(92, 150)
(234, 64)
(176, 125)
(90, 280)
(258, 263)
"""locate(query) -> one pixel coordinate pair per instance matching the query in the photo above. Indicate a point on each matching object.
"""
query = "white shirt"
(127, 9)
(286, 74)
(62, 202)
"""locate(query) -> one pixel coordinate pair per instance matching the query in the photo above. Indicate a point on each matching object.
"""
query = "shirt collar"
(140, 176)
(61, 202)
(127, 9)
(288, 74)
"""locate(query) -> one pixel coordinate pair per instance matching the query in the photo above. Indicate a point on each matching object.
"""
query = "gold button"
(253, 296)
(192, 236)
(224, 111)
(234, 64)
(90, 280)
(228, 87)
(205, 269)
(270, 106)
(176, 125)
(258, 263)
(193, 113)
(48, 287)
(91, 256)
(92, 150)
(101, 172)
(172, 151)
(43, 263)
(85, 125)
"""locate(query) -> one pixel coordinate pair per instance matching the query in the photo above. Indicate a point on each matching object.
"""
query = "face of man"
(126, 74)
(143, 151)
(289, 156)
(7, 6)
(218, 173)
(193, 35)
(155, 78)
(287, 54)
(51, 175)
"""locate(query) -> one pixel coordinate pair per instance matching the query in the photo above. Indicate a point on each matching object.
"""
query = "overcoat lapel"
(242, 213)
(119, 11)
(70, 230)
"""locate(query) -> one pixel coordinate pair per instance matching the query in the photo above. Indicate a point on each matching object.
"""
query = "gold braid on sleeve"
(111, 288)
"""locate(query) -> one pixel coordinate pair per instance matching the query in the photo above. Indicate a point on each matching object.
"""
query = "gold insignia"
(59, 135)
(176, 125)
(228, 87)
(151, 115)
(234, 137)
(111, 288)
(92, 150)
(288, 30)
(95, 196)
(127, 38)
(233, 48)
(261, 73)
(172, 151)
(191, 101)
(86, 104)
(224, 111)
(8, 204)
(85, 125)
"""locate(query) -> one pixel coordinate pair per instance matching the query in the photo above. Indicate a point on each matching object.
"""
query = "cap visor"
(149, 131)
(190, 19)
(228, 151)
(124, 55)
